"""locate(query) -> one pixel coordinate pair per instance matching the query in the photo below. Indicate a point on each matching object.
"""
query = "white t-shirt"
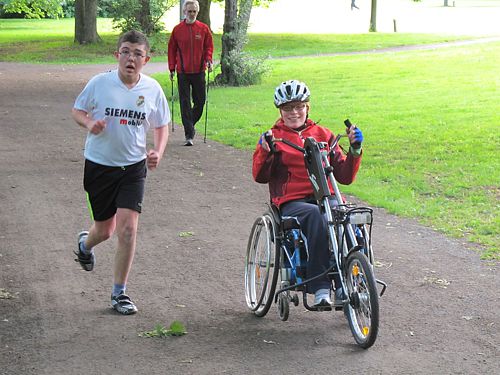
(129, 113)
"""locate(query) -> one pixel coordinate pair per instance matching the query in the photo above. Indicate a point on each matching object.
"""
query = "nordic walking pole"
(172, 106)
(206, 107)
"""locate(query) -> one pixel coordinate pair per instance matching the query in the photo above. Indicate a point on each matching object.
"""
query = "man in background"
(190, 50)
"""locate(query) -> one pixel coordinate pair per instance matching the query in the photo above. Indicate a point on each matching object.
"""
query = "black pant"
(109, 188)
(314, 226)
(191, 114)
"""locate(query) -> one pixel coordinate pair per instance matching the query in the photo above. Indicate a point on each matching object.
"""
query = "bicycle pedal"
(324, 308)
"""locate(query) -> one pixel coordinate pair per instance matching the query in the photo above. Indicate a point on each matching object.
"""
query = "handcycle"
(276, 252)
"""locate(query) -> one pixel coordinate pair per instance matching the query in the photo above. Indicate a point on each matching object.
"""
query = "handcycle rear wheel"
(261, 265)
(363, 310)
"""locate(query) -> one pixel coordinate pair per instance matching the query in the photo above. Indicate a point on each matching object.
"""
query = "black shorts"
(109, 188)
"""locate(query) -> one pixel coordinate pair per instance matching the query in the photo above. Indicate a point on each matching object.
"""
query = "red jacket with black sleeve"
(285, 170)
(190, 47)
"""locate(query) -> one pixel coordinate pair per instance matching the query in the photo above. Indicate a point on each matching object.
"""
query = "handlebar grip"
(269, 140)
(348, 125)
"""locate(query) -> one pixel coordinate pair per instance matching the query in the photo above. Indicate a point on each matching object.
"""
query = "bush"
(130, 14)
(158, 43)
(248, 69)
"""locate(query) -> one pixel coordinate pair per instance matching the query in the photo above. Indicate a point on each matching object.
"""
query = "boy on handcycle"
(289, 185)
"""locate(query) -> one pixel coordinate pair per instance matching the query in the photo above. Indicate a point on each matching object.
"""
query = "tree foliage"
(34, 8)
(143, 15)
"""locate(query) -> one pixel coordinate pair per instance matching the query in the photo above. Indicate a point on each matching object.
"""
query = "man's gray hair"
(191, 2)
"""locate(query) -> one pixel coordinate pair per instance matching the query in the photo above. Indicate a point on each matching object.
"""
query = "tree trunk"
(204, 14)
(244, 16)
(86, 22)
(144, 18)
(373, 17)
(228, 40)
(233, 37)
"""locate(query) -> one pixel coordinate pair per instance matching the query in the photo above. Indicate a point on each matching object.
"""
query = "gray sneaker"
(322, 300)
(123, 304)
(87, 261)
(189, 142)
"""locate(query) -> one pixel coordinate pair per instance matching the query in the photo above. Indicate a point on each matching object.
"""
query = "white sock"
(83, 248)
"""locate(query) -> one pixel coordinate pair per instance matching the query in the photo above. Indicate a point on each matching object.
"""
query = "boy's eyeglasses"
(135, 55)
(291, 107)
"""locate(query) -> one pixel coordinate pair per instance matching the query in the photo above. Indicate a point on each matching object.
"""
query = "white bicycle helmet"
(291, 91)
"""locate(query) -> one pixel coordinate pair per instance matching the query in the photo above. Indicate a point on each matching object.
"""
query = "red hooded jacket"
(285, 170)
(190, 47)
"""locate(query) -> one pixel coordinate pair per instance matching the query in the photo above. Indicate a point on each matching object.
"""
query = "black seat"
(286, 223)
(290, 223)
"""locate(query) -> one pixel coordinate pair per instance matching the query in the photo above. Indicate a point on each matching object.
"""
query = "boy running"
(118, 108)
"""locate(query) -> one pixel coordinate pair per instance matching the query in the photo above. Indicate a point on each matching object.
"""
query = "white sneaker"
(123, 304)
(322, 297)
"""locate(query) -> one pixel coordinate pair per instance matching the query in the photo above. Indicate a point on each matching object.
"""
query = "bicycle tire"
(261, 265)
(362, 312)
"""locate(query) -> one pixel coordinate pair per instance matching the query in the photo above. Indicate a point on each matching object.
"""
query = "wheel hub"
(354, 300)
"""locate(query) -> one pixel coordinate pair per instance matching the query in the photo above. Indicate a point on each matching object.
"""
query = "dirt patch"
(439, 315)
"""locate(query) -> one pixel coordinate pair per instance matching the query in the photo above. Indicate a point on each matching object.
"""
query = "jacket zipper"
(192, 47)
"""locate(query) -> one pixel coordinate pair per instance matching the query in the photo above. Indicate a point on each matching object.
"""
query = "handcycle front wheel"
(283, 306)
(363, 310)
(261, 265)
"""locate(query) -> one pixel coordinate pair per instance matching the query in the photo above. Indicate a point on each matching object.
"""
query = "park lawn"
(52, 41)
(430, 120)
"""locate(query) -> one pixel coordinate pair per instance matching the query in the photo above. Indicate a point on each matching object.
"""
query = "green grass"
(52, 41)
(430, 118)
(431, 126)
(282, 45)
